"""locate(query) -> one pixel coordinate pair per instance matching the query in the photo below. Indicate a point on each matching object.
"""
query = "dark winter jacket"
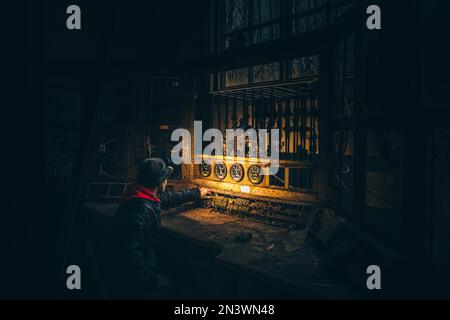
(136, 228)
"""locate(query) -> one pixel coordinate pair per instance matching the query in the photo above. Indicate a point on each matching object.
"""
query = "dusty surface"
(273, 251)
(279, 253)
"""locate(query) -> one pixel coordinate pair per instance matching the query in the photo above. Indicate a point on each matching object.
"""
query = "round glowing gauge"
(205, 169)
(255, 174)
(237, 172)
(220, 170)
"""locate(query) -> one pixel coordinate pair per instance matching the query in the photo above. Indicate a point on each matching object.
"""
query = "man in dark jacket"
(136, 228)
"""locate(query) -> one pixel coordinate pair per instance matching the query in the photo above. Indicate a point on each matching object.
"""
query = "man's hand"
(204, 192)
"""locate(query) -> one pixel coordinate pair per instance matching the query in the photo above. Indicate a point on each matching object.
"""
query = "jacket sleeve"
(132, 238)
(171, 199)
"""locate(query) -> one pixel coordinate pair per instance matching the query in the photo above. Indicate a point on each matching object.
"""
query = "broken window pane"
(236, 77)
(311, 15)
(266, 33)
(238, 19)
(265, 11)
(266, 72)
(304, 67)
(236, 14)
(300, 6)
(309, 23)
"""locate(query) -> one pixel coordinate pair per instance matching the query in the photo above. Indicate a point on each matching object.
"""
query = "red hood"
(138, 191)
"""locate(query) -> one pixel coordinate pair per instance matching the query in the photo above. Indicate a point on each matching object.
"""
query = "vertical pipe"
(226, 112)
(314, 118)
(272, 111)
(295, 125)
(244, 117)
(234, 115)
(311, 127)
(253, 110)
(213, 111)
(287, 119)
(262, 112)
(303, 114)
(280, 124)
(271, 118)
(219, 111)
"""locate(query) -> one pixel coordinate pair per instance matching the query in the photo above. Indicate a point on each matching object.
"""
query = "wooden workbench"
(277, 253)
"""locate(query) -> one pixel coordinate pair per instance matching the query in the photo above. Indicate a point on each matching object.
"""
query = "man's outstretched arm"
(171, 199)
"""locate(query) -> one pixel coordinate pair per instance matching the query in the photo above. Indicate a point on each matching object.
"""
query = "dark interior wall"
(21, 141)
(47, 103)
(435, 55)
(435, 52)
(407, 68)
(146, 38)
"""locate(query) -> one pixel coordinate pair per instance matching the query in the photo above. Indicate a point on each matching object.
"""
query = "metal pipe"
(253, 110)
(295, 124)
(226, 113)
(303, 114)
(219, 124)
(287, 119)
(234, 116)
(245, 115)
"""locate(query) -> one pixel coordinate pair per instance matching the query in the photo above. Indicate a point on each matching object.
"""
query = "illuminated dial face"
(255, 174)
(237, 172)
(220, 170)
(205, 169)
